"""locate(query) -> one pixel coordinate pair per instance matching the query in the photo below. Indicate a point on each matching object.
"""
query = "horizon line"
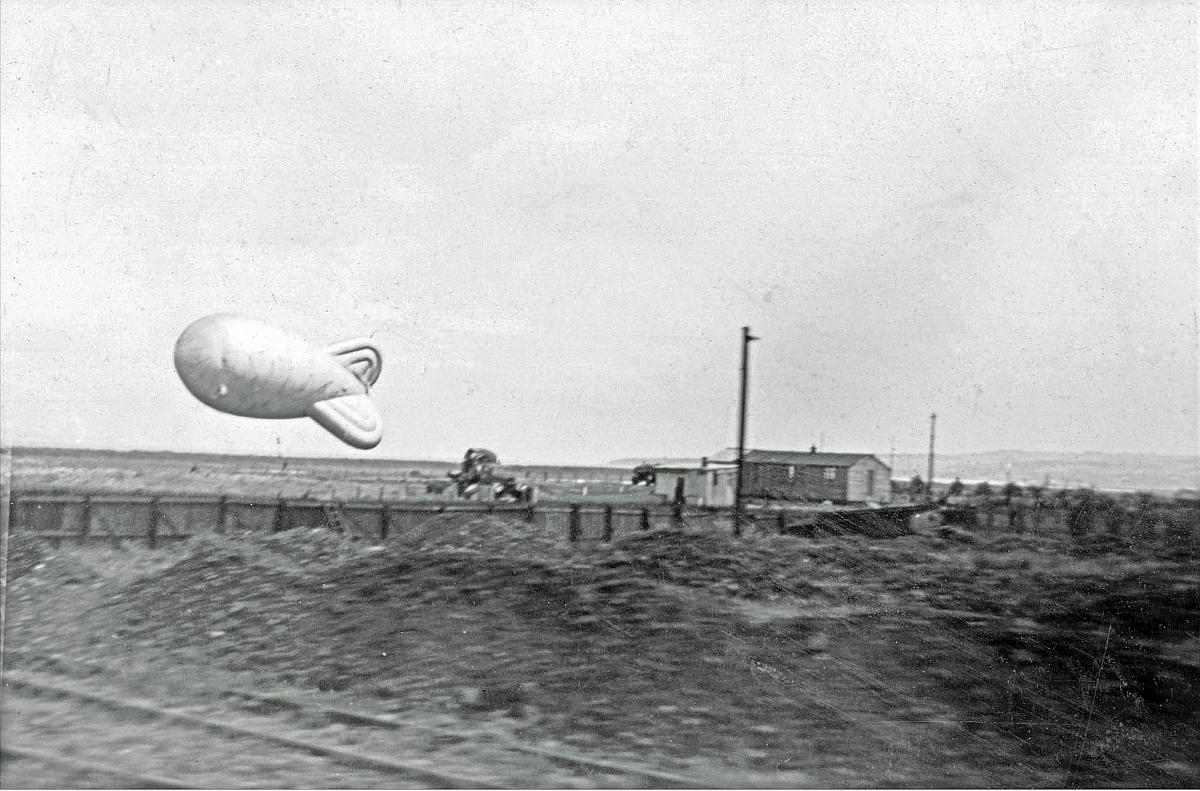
(610, 462)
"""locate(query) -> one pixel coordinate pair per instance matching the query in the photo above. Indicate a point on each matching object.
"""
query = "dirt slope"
(923, 661)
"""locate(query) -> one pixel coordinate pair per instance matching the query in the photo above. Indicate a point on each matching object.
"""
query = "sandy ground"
(934, 660)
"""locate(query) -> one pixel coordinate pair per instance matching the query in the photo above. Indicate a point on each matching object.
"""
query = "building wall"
(715, 486)
(721, 487)
(795, 482)
(710, 487)
(859, 482)
(665, 480)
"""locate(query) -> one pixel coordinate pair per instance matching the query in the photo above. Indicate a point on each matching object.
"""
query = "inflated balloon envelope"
(245, 367)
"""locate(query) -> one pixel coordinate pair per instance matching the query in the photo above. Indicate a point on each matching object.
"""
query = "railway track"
(177, 726)
(129, 778)
(663, 779)
(369, 767)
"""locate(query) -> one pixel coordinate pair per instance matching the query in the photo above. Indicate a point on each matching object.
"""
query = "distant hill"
(1115, 471)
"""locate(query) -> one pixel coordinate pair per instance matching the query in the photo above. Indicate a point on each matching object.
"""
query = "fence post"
(7, 522)
(677, 515)
(85, 519)
(333, 517)
(644, 519)
(608, 523)
(222, 512)
(280, 510)
(781, 522)
(530, 514)
(385, 521)
(573, 524)
(152, 534)
(1114, 520)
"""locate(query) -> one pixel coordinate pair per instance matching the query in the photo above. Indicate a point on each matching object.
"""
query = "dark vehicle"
(644, 475)
(476, 479)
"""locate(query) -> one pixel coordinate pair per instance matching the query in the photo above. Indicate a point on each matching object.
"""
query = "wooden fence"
(111, 518)
(161, 519)
(1179, 523)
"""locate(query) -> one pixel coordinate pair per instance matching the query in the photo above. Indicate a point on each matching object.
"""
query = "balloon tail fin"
(351, 418)
(361, 357)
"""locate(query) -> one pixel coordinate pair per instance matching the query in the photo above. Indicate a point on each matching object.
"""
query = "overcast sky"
(554, 219)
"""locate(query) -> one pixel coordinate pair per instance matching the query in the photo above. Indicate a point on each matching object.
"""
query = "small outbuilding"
(703, 484)
(812, 476)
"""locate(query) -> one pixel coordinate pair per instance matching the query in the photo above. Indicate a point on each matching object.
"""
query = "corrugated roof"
(797, 457)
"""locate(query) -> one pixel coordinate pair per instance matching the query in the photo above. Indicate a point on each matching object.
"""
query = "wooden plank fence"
(1176, 524)
(155, 520)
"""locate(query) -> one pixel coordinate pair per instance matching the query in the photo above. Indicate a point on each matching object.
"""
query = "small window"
(831, 473)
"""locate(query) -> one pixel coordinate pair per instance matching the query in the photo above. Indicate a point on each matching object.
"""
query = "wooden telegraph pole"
(929, 480)
(739, 511)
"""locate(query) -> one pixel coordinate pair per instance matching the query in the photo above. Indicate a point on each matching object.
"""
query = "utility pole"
(739, 514)
(929, 480)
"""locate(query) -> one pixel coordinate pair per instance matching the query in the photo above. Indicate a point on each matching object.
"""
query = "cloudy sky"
(554, 218)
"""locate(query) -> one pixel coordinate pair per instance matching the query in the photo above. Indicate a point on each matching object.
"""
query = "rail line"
(135, 779)
(25, 681)
(666, 779)
(38, 683)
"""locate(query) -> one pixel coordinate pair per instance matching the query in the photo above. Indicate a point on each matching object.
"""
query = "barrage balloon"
(242, 366)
